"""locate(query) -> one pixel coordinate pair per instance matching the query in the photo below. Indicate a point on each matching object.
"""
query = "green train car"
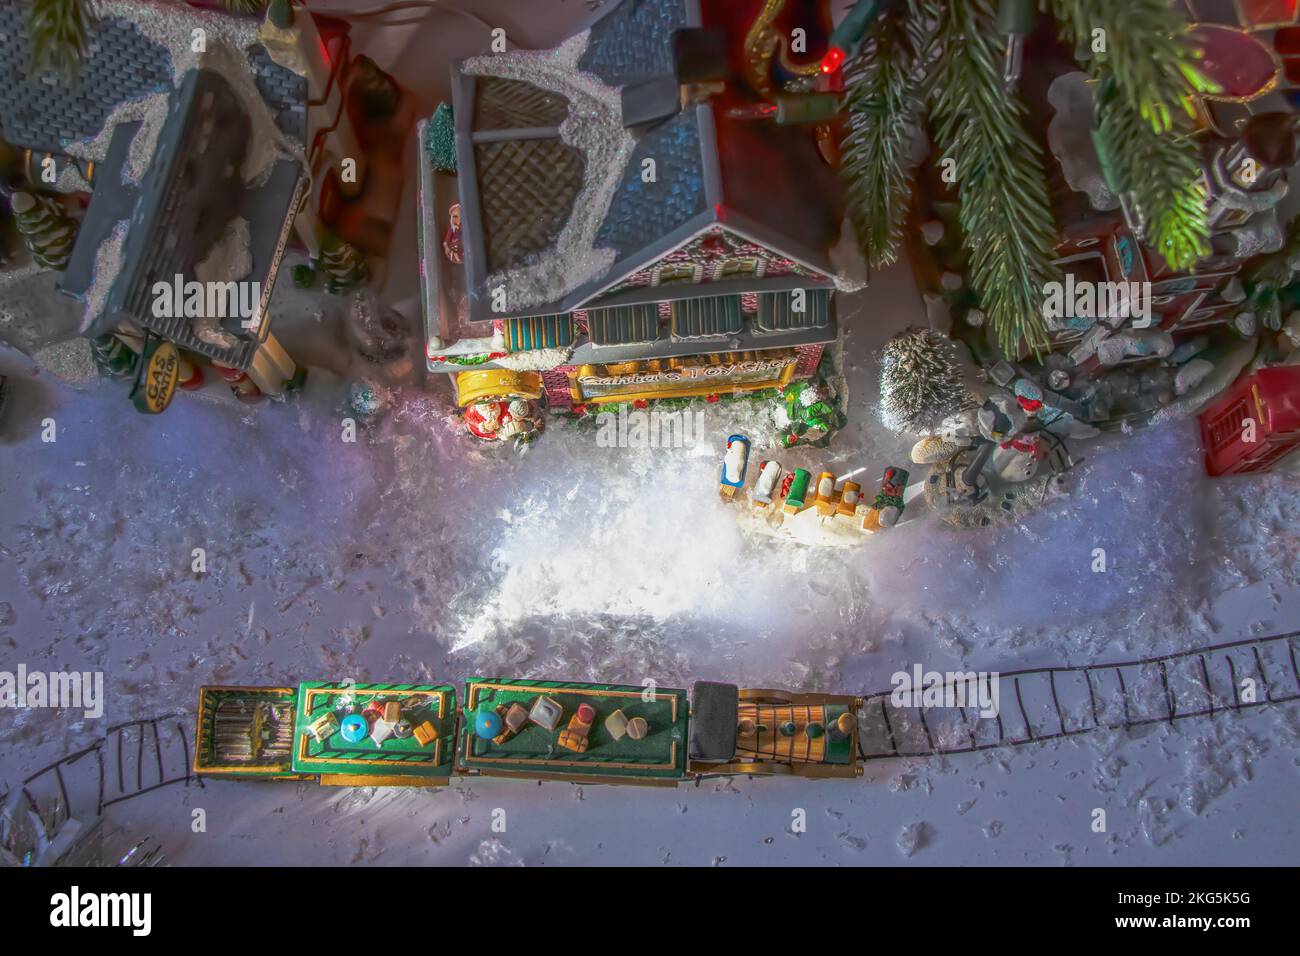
(348, 734)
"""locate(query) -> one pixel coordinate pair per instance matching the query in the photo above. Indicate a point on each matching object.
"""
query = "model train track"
(131, 759)
(1052, 703)
(1035, 706)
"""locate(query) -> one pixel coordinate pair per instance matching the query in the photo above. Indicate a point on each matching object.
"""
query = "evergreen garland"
(58, 29)
(883, 105)
(1005, 212)
(243, 6)
(1148, 77)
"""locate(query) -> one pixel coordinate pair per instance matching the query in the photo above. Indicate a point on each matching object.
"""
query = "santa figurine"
(499, 420)
(452, 246)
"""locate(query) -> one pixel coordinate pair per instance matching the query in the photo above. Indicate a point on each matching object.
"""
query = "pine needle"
(883, 107)
(1149, 79)
(58, 29)
(1005, 209)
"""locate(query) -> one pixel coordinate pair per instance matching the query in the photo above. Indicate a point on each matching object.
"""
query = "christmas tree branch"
(883, 106)
(1005, 211)
(244, 6)
(1146, 62)
(58, 29)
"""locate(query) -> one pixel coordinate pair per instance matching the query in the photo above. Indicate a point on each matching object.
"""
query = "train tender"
(349, 734)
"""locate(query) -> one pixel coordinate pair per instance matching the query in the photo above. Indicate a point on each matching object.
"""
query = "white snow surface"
(418, 553)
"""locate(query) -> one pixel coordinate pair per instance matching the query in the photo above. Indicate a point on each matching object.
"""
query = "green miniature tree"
(47, 230)
(58, 29)
(343, 265)
(921, 381)
(440, 139)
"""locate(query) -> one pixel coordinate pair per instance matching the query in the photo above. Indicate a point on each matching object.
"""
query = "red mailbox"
(1254, 424)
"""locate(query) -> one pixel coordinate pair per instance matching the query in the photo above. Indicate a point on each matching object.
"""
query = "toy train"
(349, 734)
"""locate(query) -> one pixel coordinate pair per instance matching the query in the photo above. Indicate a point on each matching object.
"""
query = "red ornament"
(713, 245)
(1239, 63)
(640, 403)
(712, 399)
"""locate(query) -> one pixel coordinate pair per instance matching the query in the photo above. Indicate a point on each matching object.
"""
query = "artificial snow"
(230, 257)
(108, 263)
(151, 112)
(418, 553)
(595, 127)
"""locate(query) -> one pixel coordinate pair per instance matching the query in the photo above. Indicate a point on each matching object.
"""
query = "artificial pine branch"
(883, 106)
(243, 6)
(58, 29)
(1147, 79)
(1005, 212)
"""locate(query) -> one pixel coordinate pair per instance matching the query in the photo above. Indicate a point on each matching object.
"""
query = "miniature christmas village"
(1041, 233)
(1095, 206)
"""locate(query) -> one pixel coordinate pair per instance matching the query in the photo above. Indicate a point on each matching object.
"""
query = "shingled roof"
(520, 181)
(164, 219)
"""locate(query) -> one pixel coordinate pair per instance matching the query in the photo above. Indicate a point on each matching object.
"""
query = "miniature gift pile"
(499, 722)
(378, 717)
(820, 510)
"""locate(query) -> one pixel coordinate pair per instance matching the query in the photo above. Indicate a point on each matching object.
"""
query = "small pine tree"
(440, 139)
(47, 230)
(343, 265)
(921, 381)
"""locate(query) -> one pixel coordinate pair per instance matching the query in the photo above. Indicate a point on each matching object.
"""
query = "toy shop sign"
(692, 373)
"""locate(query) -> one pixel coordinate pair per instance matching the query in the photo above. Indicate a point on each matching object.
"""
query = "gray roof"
(192, 191)
(635, 215)
(46, 112)
(188, 195)
(632, 40)
(767, 184)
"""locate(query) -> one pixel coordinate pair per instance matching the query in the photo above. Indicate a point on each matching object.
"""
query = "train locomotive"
(352, 734)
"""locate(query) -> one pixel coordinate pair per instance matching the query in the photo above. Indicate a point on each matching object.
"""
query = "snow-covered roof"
(184, 143)
(555, 199)
(128, 57)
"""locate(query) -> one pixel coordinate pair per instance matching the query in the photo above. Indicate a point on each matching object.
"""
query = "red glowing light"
(833, 59)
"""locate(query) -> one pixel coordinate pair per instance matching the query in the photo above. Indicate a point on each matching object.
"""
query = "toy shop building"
(622, 237)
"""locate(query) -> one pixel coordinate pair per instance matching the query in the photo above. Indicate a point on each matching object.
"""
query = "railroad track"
(1052, 703)
(1035, 706)
(131, 759)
